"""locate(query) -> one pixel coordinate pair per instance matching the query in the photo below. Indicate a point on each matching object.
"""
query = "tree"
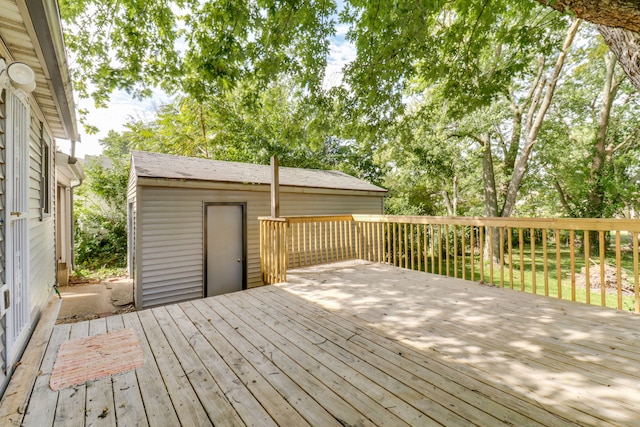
(591, 155)
(194, 47)
(249, 125)
(619, 23)
(100, 208)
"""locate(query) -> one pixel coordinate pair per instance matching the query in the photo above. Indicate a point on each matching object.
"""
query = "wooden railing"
(564, 258)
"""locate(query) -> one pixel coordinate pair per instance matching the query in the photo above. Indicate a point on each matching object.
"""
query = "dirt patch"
(611, 280)
(86, 300)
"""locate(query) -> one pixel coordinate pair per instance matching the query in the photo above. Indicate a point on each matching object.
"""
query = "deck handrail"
(519, 253)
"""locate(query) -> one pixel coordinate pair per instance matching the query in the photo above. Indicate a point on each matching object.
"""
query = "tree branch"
(613, 13)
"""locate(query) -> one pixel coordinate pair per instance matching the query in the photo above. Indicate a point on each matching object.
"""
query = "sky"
(123, 108)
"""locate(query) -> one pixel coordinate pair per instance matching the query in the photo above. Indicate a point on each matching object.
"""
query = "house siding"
(3, 170)
(42, 244)
(170, 238)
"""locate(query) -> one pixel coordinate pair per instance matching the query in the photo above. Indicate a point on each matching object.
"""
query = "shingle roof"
(156, 165)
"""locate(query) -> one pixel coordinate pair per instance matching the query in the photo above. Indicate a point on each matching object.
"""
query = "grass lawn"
(526, 282)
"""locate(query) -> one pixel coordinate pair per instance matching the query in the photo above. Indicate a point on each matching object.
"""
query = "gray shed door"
(225, 248)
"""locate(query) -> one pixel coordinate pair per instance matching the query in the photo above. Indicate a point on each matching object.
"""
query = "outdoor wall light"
(19, 74)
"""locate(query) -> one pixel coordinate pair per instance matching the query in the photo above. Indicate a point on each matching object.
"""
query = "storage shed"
(193, 223)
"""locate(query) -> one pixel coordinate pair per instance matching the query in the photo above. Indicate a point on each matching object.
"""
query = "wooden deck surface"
(360, 344)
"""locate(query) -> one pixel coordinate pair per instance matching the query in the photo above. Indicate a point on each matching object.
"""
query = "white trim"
(18, 325)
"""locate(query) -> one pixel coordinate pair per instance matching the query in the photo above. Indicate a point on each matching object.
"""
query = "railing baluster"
(464, 250)
(521, 247)
(636, 282)
(572, 253)
(419, 248)
(432, 249)
(413, 262)
(618, 271)
(545, 262)
(326, 242)
(439, 249)
(603, 287)
(558, 262)
(425, 247)
(455, 251)
(491, 231)
(533, 260)
(501, 235)
(395, 245)
(447, 250)
(481, 248)
(587, 256)
(472, 251)
(510, 248)
(406, 243)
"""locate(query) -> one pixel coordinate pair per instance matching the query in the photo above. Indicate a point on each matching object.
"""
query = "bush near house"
(100, 215)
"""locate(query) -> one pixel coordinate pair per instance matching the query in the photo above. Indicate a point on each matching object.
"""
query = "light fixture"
(22, 76)
(19, 74)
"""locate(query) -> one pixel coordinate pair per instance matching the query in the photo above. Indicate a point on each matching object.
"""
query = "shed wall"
(170, 239)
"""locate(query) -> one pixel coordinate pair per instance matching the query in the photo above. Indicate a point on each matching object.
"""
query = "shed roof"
(166, 166)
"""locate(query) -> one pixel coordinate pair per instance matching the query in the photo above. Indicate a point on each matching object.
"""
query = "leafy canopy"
(193, 46)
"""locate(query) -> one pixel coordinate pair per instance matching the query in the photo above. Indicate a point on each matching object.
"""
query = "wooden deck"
(360, 344)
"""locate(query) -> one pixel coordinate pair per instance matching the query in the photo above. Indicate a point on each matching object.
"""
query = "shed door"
(225, 248)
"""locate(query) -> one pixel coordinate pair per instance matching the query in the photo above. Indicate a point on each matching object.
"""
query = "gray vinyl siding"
(170, 233)
(42, 243)
(42, 261)
(328, 204)
(3, 170)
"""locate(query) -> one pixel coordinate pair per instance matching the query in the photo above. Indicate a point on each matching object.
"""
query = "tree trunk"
(451, 202)
(612, 13)
(488, 178)
(625, 45)
(619, 23)
(596, 185)
(535, 123)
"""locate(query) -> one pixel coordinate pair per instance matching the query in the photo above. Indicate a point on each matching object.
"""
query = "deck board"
(99, 406)
(356, 343)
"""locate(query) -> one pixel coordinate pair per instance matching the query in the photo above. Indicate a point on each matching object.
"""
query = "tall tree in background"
(591, 151)
(195, 47)
(251, 125)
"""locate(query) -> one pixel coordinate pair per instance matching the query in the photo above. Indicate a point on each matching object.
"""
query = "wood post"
(275, 187)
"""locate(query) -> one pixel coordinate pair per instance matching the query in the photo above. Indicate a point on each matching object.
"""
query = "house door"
(225, 248)
(16, 296)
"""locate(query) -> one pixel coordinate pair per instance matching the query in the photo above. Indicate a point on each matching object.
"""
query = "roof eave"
(46, 23)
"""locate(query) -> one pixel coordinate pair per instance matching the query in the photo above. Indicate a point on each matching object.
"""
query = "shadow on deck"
(356, 343)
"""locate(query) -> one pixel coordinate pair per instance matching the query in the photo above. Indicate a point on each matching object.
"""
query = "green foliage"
(571, 134)
(436, 106)
(200, 48)
(250, 126)
(100, 208)
(474, 50)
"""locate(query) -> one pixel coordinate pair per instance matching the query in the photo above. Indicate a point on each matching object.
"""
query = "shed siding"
(171, 241)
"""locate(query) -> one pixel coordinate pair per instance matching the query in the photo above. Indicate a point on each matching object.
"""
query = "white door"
(225, 248)
(17, 223)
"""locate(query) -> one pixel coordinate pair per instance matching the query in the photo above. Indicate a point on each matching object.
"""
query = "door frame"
(18, 309)
(243, 207)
